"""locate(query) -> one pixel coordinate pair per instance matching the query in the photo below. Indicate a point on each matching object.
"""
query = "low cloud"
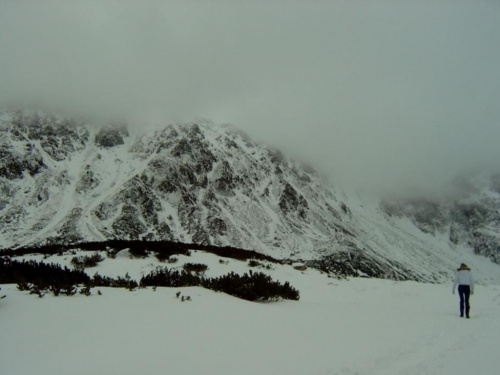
(394, 97)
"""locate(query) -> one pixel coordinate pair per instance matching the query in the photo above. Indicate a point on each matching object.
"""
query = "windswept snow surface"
(341, 327)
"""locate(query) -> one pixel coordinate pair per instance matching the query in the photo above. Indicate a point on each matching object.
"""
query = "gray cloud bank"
(384, 95)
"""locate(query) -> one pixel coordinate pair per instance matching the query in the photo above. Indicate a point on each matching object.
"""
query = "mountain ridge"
(66, 181)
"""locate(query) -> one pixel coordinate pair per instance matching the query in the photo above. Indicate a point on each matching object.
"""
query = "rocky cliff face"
(472, 220)
(66, 181)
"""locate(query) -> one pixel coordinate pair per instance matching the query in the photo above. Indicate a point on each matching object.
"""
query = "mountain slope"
(66, 181)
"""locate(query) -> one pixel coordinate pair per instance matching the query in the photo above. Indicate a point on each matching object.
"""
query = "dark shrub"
(166, 257)
(85, 291)
(40, 273)
(40, 278)
(195, 267)
(86, 261)
(251, 287)
(140, 248)
(68, 290)
(162, 257)
(111, 253)
(99, 280)
(125, 282)
(138, 252)
(170, 278)
(254, 287)
(119, 282)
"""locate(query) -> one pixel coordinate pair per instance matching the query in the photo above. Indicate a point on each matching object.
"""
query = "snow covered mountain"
(67, 181)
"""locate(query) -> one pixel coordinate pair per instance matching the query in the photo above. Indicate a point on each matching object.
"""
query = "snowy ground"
(343, 327)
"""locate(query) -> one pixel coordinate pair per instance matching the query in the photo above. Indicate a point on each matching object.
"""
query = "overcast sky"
(391, 95)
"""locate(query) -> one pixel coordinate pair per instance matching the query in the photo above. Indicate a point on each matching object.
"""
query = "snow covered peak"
(66, 181)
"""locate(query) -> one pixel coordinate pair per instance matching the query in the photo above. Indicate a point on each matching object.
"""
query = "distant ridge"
(65, 182)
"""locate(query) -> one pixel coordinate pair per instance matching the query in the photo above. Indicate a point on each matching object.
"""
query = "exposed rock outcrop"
(64, 181)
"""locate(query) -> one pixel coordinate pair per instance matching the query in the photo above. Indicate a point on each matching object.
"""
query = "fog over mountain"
(394, 97)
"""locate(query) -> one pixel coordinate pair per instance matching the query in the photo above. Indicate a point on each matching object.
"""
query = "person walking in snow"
(465, 282)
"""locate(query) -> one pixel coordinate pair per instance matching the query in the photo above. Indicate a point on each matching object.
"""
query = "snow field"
(341, 327)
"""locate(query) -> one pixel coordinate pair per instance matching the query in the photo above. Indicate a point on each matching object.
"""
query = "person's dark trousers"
(464, 294)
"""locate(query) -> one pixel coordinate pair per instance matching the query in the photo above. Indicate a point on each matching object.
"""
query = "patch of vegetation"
(87, 261)
(172, 260)
(197, 268)
(120, 282)
(251, 287)
(138, 252)
(162, 257)
(85, 291)
(170, 278)
(111, 253)
(40, 278)
(165, 257)
(142, 248)
(13, 271)
(256, 263)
